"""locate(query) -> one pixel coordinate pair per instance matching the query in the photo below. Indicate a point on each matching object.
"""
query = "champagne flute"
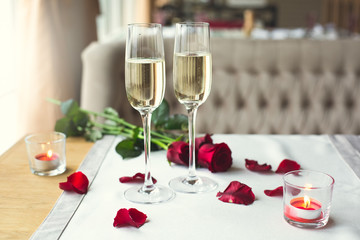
(145, 87)
(192, 83)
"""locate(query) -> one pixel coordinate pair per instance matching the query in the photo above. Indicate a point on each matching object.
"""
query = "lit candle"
(303, 209)
(46, 161)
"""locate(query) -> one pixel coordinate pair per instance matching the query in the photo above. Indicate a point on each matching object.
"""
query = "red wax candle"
(49, 156)
(46, 161)
(303, 209)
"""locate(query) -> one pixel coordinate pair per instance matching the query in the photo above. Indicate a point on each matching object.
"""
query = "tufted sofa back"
(259, 86)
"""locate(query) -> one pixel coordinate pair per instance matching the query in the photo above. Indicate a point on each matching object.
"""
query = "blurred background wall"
(342, 15)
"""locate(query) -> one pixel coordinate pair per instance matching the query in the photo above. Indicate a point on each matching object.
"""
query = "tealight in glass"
(46, 153)
(307, 198)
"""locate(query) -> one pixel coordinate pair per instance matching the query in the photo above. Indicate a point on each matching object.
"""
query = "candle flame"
(306, 202)
(49, 153)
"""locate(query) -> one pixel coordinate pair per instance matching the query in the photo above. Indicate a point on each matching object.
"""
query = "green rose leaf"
(66, 126)
(80, 120)
(69, 107)
(161, 114)
(139, 143)
(127, 149)
(176, 122)
(72, 125)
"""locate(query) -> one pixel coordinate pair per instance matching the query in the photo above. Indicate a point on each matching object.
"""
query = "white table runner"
(203, 216)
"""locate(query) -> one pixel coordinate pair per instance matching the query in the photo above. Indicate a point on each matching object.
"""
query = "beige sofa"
(259, 86)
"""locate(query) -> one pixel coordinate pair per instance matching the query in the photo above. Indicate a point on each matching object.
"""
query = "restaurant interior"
(280, 68)
(45, 47)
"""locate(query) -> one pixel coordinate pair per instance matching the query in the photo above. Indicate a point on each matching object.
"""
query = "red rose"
(215, 157)
(178, 152)
(202, 140)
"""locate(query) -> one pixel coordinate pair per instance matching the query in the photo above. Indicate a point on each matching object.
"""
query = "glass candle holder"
(307, 198)
(46, 153)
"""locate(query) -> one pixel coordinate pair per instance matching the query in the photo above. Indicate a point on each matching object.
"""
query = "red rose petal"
(132, 217)
(254, 166)
(287, 165)
(77, 182)
(279, 191)
(238, 193)
(138, 177)
(66, 186)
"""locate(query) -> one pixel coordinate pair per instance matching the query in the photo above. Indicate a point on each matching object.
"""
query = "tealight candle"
(46, 153)
(46, 161)
(303, 209)
(307, 198)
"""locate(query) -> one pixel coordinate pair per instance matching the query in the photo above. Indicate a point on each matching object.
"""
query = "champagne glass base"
(200, 185)
(158, 195)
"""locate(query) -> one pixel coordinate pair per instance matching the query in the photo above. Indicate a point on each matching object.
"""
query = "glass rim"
(193, 23)
(331, 184)
(145, 24)
(29, 141)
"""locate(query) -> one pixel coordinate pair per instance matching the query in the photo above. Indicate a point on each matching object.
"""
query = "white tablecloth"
(203, 216)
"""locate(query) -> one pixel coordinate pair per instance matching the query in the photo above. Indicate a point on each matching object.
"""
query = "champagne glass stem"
(148, 183)
(192, 177)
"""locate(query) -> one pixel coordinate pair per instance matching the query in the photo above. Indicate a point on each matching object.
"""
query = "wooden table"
(25, 198)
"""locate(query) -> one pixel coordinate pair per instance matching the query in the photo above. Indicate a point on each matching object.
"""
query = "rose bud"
(178, 152)
(215, 157)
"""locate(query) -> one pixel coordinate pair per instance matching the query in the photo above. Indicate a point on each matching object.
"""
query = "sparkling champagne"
(145, 82)
(192, 77)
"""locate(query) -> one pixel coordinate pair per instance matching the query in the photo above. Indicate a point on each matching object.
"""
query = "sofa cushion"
(259, 86)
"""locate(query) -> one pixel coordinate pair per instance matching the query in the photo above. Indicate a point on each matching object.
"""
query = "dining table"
(26, 199)
(35, 207)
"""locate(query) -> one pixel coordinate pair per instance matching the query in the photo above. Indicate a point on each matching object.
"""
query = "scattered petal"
(178, 152)
(129, 217)
(66, 186)
(254, 166)
(77, 182)
(138, 177)
(238, 193)
(279, 191)
(287, 165)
